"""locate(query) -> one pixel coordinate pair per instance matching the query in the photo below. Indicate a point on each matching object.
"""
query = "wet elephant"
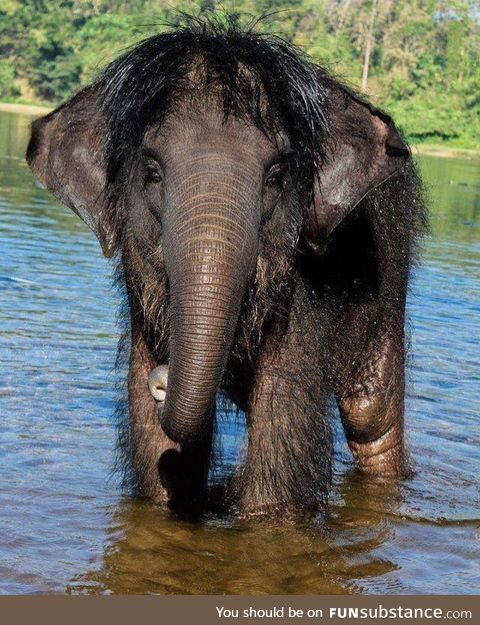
(264, 219)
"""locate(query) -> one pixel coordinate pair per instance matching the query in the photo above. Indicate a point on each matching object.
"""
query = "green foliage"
(423, 65)
(7, 77)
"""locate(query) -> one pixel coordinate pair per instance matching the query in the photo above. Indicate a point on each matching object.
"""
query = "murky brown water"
(65, 525)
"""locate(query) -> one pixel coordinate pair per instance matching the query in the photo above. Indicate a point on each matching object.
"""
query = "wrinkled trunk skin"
(210, 239)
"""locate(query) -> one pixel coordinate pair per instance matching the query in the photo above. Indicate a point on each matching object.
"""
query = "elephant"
(264, 219)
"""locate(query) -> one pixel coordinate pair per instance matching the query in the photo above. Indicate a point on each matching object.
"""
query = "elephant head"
(209, 156)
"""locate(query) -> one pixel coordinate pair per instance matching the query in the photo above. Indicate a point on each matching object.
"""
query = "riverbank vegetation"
(417, 58)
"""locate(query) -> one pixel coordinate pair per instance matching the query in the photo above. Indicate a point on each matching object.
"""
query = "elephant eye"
(153, 174)
(275, 177)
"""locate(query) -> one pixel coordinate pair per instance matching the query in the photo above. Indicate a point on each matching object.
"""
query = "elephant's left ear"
(364, 149)
(66, 154)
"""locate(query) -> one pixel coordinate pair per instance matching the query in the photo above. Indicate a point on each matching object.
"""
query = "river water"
(67, 527)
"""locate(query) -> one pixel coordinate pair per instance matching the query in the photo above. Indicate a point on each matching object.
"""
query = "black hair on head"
(258, 77)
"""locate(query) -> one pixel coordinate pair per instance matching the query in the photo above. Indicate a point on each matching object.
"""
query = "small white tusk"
(157, 383)
(160, 394)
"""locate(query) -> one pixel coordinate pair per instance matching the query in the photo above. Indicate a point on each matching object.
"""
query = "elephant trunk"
(211, 250)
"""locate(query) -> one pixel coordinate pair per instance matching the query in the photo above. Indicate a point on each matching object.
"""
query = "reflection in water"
(66, 527)
(147, 552)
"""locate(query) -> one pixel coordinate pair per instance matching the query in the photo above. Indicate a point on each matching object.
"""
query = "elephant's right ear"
(66, 154)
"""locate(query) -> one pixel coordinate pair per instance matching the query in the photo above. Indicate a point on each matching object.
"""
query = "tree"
(368, 45)
(418, 58)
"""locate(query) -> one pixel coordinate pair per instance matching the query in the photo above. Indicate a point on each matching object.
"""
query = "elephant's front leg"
(372, 408)
(163, 471)
(288, 463)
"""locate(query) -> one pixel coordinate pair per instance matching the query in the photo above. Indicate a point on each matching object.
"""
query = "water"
(65, 525)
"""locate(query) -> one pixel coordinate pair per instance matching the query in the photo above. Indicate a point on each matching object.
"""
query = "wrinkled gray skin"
(211, 200)
(199, 204)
